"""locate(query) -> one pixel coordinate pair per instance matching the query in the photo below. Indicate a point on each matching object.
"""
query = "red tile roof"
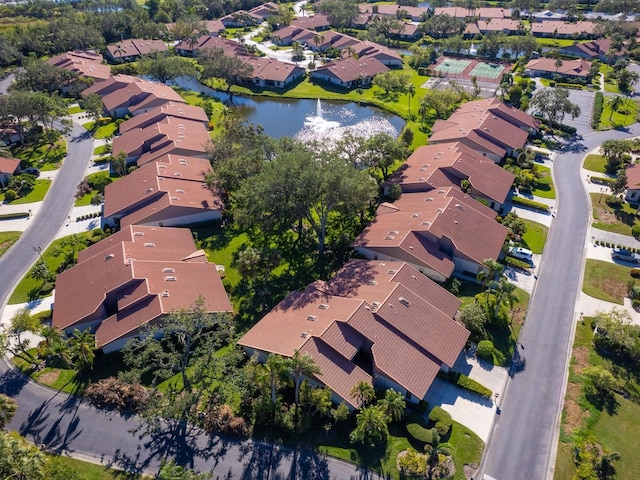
(558, 27)
(350, 69)
(633, 176)
(134, 47)
(574, 68)
(85, 64)
(313, 22)
(9, 165)
(169, 109)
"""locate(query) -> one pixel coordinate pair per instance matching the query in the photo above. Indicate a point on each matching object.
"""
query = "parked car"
(31, 171)
(521, 253)
(625, 255)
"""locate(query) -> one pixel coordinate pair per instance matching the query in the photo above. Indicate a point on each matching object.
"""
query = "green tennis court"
(453, 66)
(487, 70)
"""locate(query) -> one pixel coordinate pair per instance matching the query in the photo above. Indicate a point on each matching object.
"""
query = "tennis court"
(487, 70)
(450, 65)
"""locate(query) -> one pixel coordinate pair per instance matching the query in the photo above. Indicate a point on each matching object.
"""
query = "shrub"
(602, 180)
(473, 386)
(10, 216)
(485, 350)
(441, 420)
(446, 449)
(598, 106)
(635, 231)
(412, 464)
(635, 272)
(417, 429)
(114, 393)
(221, 419)
(516, 263)
(525, 202)
(10, 195)
(47, 288)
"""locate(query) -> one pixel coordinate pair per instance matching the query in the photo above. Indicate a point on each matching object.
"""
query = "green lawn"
(38, 193)
(7, 239)
(535, 236)
(101, 150)
(613, 430)
(623, 117)
(606, 281)
(611, 86)
(54, 257)
(544, 185)
(617, 220)
(43, 156)
(595, 163)
(86, 198)
(103, 131)
(75, 109)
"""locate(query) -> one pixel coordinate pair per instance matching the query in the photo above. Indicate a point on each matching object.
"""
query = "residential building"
(437, 232)
(487, 126)
(549, 67)
(480, 13)
(137, 97)
(632, 194)
(318, 22)
(241, 18)
(596, 49)
(188, 136)
(135, 277)
(162, 194)
(272, 73)
(547, 15)
(111, 84)
(349, 72)
(265, 10)
(449, 164)
(558, 29)
(87, 65)
(500, 25)
(178, 111)
(366, 49)
(8, 168)
(191, 48)
(415, 14)
(382, 323)
(133, 48)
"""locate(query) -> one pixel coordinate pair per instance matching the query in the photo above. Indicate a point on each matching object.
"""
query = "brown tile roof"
(9, 165)
(142, 275)
(482, 12)
(500, 109)
(550, 27)
(415, 224)
(139, 95)
(272, 69)
(85, 64)
(499, 25)
(175, 159)
(186, 133)
(350, 69)
(393, 10)
(204, 42)
(407, 318)
(214, 26)
(169, 109)
(265, 10)
(574, 68)
(312, 22)
(110, 85)
(633, 176)
(447, 164)
(135, 47)
(173, 149)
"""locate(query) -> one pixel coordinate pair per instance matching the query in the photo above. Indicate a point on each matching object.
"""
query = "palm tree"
(276, 368)
(8, 407)
(615, 103)
(302, 365)
(393, 405)
(605, 468)
(371, 427)
(504, 291)
(19, 460)
(411, 91)
(489, 273)
(558, 63)
(82, 346)
(363, 392)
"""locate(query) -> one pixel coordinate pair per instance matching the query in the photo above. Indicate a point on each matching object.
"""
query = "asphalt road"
(524, 440)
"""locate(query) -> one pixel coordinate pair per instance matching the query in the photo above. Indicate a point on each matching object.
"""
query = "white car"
(521, 253)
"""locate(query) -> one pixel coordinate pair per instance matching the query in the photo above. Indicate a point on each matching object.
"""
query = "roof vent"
(428, 199)
(404, 301)
(149, 244)
(416, 215)
(323, 306)
(175, 198)
(148, 190)
(392, 272)
(165, 293)
(312, 318)
(440, 191)
(439, 210)
(393, 232)
(372, 282)
(138, 234)
(179, 190)
(177, 174)
(170, 278)
(389, 237)
(304, 334)
(421, 179)
(426, 224)
(168, 270)
(109, 257)
(375, 304)
(459, 206)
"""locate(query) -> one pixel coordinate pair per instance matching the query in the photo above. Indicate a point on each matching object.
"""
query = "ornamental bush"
(10, 195)
(532, 204)
(441, 420)
(417, 429)
(485, 350)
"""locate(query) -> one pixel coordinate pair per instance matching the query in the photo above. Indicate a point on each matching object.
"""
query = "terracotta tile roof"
(204, 42)
(500, 109)
(112, 84)
(407, 318)
(174, 150)
(499, 25)
(574, 68)
(593, 49)
(188, 134)
(214, 26)
(149, 189)
(140, 95)
(9, 165)
(142, 275)
(447, 164)
(316, 21)
(134, 47)
(350, 69)
(265, 10)
(420, 221)
(482, 12)
(169, 109)
(272, 69)
(393, 10)
(85, 64)
(176, 159)
(633, 176)
(337, 373)
(550, 27)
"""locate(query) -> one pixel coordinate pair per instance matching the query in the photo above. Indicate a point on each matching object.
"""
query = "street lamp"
(39, 250)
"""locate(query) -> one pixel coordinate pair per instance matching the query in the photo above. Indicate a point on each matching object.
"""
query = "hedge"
(441, 419)
(485, 350)
(635, 272)
(516, 263)
(11, 216)
(416, 428)
(598, 106)
(602, 180)
(462, 381)
(525, 202)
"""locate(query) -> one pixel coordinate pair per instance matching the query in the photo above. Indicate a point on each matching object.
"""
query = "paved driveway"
(584, 99)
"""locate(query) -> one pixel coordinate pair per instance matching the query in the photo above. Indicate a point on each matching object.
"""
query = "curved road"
(524, 440)
(68, 425)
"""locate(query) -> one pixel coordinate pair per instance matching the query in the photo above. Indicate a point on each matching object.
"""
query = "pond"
(304, 118)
